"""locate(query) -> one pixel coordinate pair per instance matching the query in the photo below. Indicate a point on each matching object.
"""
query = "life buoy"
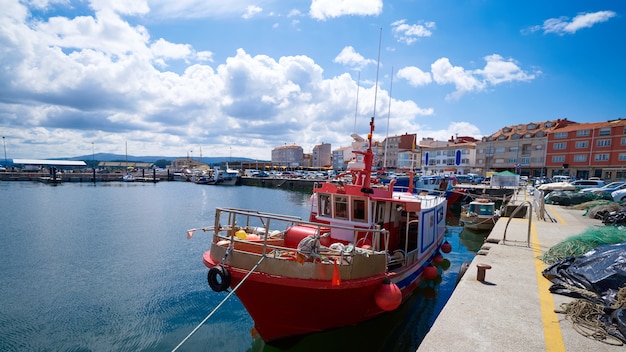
(218, 278)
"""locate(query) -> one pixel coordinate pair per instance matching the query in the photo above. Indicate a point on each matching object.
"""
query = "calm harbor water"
(108, 267)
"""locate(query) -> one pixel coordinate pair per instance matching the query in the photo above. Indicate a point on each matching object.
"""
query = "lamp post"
(93, 164)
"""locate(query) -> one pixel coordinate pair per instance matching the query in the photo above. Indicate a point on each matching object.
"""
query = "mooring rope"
(219, 305)
(585, 316)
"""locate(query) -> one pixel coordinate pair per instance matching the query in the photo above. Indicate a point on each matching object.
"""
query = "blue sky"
(239, 78)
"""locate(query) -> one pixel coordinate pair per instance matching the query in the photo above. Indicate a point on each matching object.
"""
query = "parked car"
(611, 187)
(579, 184)
(619, 195)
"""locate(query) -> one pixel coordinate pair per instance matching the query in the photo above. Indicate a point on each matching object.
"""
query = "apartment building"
(521, 148)
(288, 155)
(588, 150)
(393, 147)
(456, 156)
(321, 155)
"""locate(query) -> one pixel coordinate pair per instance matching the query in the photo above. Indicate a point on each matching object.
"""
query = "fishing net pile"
(572, 197)
(587, 268)
(578, 245)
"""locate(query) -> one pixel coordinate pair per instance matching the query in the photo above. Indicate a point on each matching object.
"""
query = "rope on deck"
(219, 305)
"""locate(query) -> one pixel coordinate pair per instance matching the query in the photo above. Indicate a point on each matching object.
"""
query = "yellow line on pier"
(551, 326)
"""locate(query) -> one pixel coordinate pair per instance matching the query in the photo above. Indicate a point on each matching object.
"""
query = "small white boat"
(479, 215)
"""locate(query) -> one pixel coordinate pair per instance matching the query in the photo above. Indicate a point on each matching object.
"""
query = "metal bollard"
(482, 268)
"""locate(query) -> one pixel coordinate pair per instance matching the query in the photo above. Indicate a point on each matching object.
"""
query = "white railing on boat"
(260, 223)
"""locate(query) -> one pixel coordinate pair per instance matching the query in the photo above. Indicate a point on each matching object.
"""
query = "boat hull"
(306, 306)
(478, 224)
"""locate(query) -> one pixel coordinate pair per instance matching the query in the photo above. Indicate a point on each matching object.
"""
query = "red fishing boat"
(362, 252)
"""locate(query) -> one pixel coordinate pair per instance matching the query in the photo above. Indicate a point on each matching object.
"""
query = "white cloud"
(325, 9)
(563, 25)
(453, 129)
(251, 11)
(200, 8)
(415, 76)
(464, 82)
(496, 71)
(410, 33)
(71, 82)
(348, 56)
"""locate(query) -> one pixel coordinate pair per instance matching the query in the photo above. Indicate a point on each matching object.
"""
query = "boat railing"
(259, 238)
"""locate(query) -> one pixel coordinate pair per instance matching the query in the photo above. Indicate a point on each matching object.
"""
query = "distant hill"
(150, 159)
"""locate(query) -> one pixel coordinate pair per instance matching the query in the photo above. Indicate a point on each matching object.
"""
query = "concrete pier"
(511, 308)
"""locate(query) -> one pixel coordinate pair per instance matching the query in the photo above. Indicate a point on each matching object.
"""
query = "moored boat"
(479, 215)
(362, 252)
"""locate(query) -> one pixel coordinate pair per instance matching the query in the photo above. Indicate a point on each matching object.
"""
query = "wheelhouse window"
(324, 205)
(341, 207)
(359, 209)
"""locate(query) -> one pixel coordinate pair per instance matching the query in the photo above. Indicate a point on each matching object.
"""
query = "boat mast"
(388, 118)
(368, 156)
(356, 108)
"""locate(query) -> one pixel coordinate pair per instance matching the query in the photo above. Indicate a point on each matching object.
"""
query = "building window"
(501, 138)
(560, 135)
(623, 141)
(525, 160)
(603, 143)
(498, 161)
(622, 157)
(531, 126)
(560, 146)
(539, 134)
(582, 133)
(513, 149)
(515, 136)
(602, 157)
(558, 158)
(500, 150)
(605, 131)
(582, 144)
(580, 158)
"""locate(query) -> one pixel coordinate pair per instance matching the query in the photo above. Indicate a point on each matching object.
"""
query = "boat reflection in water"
(472, 240)
(399, 330)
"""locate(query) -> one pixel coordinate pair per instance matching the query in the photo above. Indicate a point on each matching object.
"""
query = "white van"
(562, 178)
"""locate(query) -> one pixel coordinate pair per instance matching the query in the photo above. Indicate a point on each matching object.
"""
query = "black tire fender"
(218, 278)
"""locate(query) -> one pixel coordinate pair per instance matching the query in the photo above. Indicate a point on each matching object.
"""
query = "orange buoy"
(446, 247)
(430, 272)
(388, 296)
